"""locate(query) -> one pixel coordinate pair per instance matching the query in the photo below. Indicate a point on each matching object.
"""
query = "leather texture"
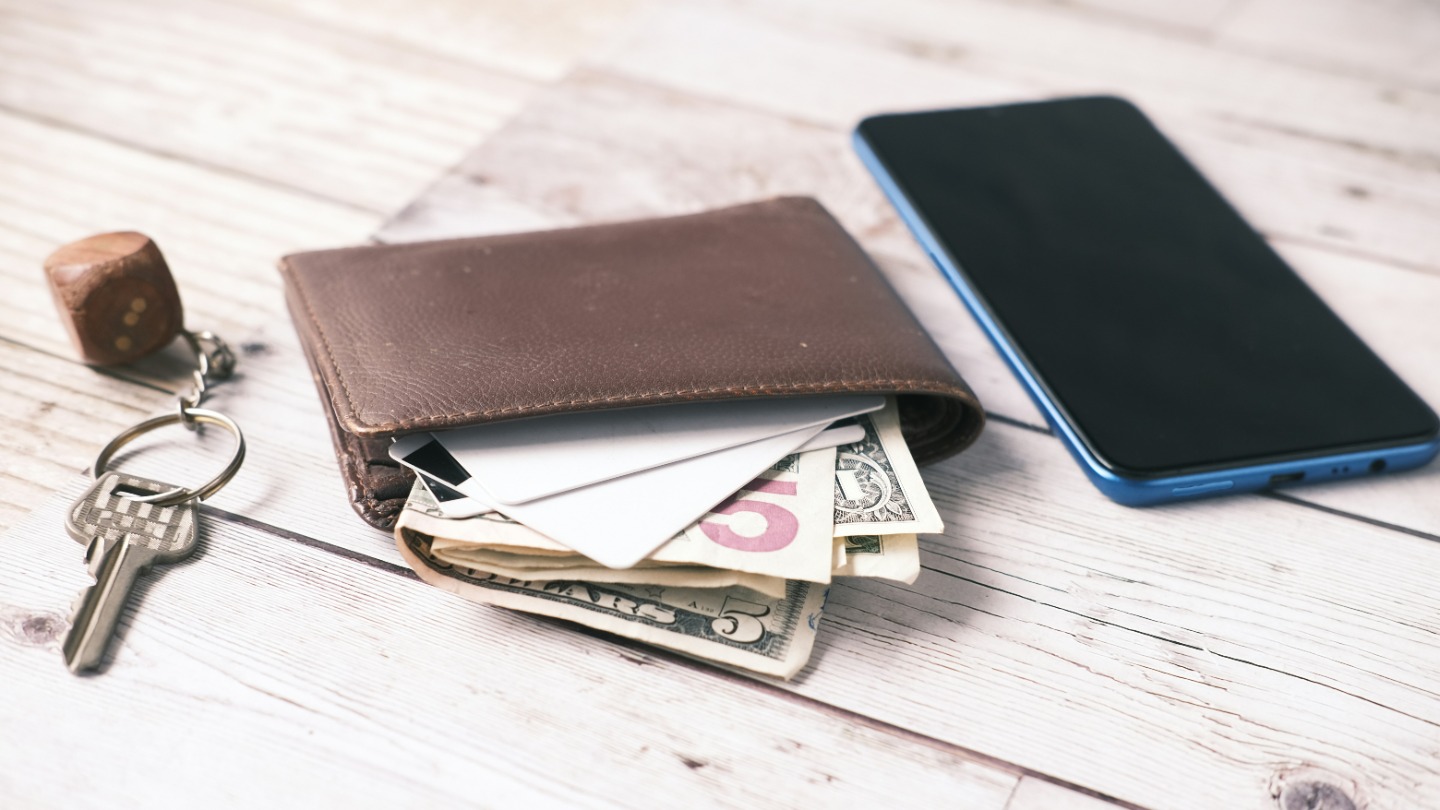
(767, 299)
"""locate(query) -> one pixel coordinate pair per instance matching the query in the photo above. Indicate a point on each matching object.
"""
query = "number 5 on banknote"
(739, 620)
(781, 525)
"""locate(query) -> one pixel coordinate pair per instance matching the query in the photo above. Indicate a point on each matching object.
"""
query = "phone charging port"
(1286, 478)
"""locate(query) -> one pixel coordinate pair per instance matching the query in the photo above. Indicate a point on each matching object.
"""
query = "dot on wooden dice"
(116, 297)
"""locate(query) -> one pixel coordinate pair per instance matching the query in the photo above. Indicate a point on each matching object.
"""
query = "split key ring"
(182, 416)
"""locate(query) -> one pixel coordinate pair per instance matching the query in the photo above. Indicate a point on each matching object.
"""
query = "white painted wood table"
(1058, 651)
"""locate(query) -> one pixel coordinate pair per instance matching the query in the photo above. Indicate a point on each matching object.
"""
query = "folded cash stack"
(614, 521)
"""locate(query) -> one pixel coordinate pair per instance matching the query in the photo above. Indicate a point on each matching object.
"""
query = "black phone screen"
(1170, 332)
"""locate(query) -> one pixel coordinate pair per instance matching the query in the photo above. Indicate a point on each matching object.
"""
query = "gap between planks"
(748, 681)
(1164, 639)
(189, 160)
(1289, 496)
(997, 418)
(754, 107)
(1226, 32)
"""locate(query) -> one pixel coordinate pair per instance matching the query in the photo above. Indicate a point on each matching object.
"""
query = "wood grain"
(599, 147)
(321, 680)
(220, 234)
(1037, 794)
(1231, 642)
(1303, 153)
(59, 186)
(1222, 639)
(1394, 41)
(1057, 651)
(356, 119)
(1118, 599)
(538, 40)
(58, 414)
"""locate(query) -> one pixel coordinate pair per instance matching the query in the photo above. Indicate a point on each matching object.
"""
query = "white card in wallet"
(457, 505)
(618, 522)
(520, 461)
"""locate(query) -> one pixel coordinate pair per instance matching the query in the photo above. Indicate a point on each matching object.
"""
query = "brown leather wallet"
(768, 299)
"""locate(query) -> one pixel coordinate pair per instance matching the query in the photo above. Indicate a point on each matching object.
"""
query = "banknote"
(493, 530)
(894, 557)
(884, 556)
(743, 586)
(778, 525)
(878, 489)
(726, 625)
(518, 566)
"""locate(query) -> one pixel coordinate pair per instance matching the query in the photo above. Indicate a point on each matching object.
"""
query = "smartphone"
(1169, 347)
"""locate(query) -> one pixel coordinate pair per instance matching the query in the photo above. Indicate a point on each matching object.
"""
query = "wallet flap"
(766, 299)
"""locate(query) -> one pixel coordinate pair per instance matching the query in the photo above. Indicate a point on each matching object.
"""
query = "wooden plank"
(599, 147)
(1304, 153)
(1395, 41)
(981, 43)
(1219, 638)
(63, 185)
(265, 669)
(1043, 626)
(1280, 187)
(63, 413)
(349, 117)
(1189, 20)
(1230, 642)
(58, 414)
(1226, 650)
(221, 234)
(535, 40)
(1037, 794)
(1248, 607)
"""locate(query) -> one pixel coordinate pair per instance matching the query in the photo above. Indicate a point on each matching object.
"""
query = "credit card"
(520, 461)
(456, 505)
(620, 521)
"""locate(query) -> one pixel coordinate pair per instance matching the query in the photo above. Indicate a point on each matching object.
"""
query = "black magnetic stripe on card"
(437, 462)
(442, 493)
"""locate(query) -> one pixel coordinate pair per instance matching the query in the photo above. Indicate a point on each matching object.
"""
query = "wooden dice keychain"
(119, 303)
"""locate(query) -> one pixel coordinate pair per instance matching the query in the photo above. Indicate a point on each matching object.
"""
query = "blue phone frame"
(1131, 490)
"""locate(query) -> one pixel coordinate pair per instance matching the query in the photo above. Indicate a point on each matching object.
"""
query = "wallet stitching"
(759, 389)
(404, 424)
(325, 341)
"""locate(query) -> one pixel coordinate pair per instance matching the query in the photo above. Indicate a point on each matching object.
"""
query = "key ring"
(216, 363)
(183, 416)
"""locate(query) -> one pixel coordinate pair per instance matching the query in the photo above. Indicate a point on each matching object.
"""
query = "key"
(123, 538)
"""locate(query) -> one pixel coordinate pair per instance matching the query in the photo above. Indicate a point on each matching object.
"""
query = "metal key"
(123, 537)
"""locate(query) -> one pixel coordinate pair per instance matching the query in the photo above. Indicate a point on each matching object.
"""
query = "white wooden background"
(1058, 651)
